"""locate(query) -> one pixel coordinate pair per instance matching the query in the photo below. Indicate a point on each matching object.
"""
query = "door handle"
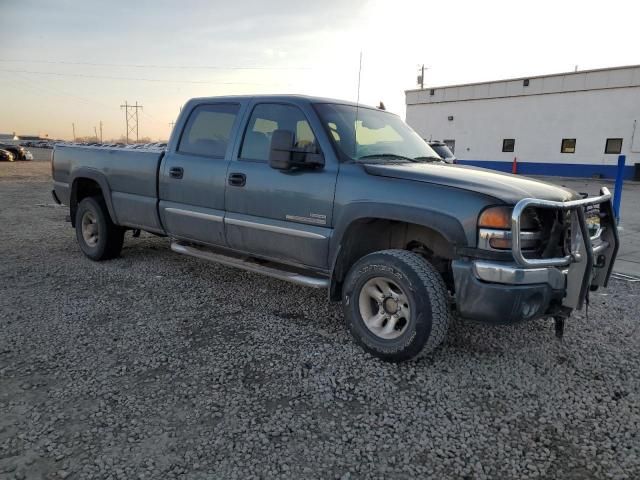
(237, 179)
(176, 172)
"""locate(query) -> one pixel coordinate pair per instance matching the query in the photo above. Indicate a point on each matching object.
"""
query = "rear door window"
(208, 130)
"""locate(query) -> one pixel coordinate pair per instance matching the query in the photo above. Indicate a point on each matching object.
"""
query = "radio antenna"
(355, 126)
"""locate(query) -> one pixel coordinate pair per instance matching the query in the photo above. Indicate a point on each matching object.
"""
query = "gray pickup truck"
(336, 195)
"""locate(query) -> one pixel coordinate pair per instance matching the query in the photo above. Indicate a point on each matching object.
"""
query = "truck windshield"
(375, 136)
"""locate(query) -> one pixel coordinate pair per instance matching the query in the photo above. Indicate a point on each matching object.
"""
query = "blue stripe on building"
(583, 170)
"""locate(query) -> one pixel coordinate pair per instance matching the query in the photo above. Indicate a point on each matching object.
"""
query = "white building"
(569, 124)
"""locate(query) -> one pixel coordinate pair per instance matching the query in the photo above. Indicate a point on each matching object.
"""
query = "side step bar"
(269, 269)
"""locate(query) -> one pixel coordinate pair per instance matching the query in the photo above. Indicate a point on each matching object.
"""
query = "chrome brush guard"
(590, 259)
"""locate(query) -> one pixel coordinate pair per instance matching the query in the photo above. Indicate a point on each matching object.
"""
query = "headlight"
(494, 229)
(496, 217)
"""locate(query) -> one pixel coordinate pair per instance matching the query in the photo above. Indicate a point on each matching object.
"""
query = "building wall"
(537, 120)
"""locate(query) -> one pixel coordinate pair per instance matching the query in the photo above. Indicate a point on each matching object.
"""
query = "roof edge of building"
(514, 79)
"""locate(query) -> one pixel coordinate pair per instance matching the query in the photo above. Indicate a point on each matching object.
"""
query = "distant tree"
(87, 139)
(123, 139)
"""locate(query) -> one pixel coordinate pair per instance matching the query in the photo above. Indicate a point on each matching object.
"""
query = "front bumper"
(502, 293)
(527, 288)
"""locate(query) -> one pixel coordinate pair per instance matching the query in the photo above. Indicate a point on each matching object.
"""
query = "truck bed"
(130, 176)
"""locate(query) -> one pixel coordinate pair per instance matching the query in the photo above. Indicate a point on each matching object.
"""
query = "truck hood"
(503, 186)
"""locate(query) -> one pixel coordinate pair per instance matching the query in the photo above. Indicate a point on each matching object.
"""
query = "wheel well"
(82, 188)
(370, 235)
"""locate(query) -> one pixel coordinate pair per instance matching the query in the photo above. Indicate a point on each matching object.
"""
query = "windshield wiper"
(387, 155)
(429, 159)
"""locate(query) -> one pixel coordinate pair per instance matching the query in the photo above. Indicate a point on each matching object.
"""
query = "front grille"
(553, 227)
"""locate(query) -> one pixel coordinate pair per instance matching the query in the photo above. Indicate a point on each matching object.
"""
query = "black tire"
(110, 237)
(425, 326)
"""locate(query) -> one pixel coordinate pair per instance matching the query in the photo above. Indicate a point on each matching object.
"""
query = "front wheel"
(396, 305)
(99, 238)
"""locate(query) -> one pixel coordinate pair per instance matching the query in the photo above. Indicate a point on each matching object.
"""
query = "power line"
(30, 87)
(134, 65)
(44, 90)
(82, 75)
(32, 83)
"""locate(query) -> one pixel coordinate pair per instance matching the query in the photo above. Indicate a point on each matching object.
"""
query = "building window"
(508, 144)
(432, 92)
(525, 82)
(568, 145)
(614, 145)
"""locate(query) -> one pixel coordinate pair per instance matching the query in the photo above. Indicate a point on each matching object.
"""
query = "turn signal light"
(495, 217)
(500, 243)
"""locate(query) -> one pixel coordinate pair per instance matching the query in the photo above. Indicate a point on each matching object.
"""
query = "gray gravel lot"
(159, 366)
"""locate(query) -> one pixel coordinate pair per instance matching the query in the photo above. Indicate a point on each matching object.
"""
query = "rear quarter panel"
(128, 179)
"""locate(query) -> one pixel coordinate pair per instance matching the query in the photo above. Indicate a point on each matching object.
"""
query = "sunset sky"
(77, 61)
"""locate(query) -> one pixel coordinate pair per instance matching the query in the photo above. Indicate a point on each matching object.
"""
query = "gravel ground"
(159, 366)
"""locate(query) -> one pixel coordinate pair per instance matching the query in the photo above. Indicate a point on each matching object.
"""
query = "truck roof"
(294, 98)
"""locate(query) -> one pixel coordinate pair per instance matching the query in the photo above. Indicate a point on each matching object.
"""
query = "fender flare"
(98, 177)
(448, 226)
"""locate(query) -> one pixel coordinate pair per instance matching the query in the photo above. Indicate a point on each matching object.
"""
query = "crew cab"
(345, 197)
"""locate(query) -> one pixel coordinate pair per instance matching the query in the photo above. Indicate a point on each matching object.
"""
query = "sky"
(76, 61)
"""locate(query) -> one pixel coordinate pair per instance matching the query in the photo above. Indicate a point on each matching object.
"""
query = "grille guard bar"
(582, 250)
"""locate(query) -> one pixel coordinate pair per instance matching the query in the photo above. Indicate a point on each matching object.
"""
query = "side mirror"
(280, 150)
(284, 156)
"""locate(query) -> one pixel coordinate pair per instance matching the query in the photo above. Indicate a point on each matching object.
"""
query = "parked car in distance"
(345, 197)
(19, 152)
(443, 150)
(6, 156)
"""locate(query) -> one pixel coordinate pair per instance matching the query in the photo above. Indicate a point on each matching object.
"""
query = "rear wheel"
(396, 305)
(99, 238)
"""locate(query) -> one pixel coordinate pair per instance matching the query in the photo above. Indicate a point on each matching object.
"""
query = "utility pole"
(73, 126)
(137, 121)
(95, 130)
(421, 76)
(126, 120)
(131, 119)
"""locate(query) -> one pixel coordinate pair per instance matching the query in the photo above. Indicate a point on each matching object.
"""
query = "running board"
(269, 269)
